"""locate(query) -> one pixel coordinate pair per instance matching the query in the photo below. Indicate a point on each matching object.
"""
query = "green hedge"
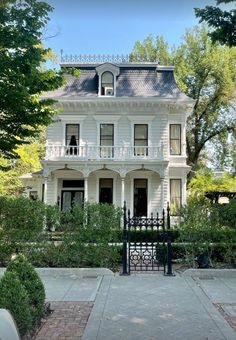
(86, 234)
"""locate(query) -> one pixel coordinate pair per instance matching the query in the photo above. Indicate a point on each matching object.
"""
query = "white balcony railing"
(57, 152)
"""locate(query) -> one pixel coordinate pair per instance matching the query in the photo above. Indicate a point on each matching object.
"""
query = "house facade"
(119, 136)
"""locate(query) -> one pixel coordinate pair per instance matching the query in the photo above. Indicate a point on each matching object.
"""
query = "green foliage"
(206, 73)
(28, 161)
(23, 80)
(92, 234)
(152, 49)
(223, 22)
(202, 230)
(32, 283)
(20, 219)
(14, 297)
(205, 181)
(227, 213)
(53, 217)
(84, 237)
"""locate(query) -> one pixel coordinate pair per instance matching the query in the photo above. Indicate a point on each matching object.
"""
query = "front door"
(140, 197)
(70, 197)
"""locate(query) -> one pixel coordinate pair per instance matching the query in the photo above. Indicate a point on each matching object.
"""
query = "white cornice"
(71, 117)
(172, 105)
(99, 117)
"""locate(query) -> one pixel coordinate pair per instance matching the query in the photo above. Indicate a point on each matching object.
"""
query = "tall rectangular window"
(72, 139)
(107, 140)
(175, 139)
(72, 134)
(140, 139)
(175, 194)
(106, 190)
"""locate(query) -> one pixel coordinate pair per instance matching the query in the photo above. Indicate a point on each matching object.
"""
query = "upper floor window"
(140, 139)
(72, 138)
(72, 134)
(107, 84)
(107, 140)
(175, 139)
(107, 75)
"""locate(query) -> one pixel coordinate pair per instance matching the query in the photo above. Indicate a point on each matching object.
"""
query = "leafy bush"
(201, 233)
(31, 282)
(88, 235)
(21, 218)
(14, 297)
(227, 213)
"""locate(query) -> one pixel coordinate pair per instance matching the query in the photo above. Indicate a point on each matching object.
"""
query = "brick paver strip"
(67, 321)
(229, 318)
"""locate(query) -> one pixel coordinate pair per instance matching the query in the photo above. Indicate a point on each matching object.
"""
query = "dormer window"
(107, 84)
(107, 75)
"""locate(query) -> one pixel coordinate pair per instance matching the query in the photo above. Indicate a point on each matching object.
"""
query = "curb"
(226, 273)
(79, 272)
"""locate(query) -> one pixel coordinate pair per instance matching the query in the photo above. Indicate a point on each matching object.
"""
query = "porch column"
(122, 191)
(85, 189)
(162, 194)
(45, 190)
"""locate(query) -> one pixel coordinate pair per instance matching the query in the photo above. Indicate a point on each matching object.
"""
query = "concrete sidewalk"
(154, 307)
(140, 307)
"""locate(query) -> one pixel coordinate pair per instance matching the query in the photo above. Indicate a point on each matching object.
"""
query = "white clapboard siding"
(155, 194)
(55, 133)
(123, 131)
(89, 131)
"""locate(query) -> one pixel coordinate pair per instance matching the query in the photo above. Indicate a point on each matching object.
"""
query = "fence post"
(124, 250)
(169, 245)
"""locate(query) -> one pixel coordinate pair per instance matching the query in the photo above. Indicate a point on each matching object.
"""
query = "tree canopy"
(206, 72)
(22, 79)
(222, 22)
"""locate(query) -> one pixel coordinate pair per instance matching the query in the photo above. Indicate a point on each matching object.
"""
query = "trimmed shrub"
(14, 297)
(32, 283)
(202, 234)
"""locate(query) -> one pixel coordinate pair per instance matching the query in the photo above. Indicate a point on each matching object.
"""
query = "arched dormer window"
(107, 77)
(107, 84)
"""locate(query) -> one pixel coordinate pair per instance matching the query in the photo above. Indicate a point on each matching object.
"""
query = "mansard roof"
(133, 80)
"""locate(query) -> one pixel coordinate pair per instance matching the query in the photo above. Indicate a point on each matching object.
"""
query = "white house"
(119, 136)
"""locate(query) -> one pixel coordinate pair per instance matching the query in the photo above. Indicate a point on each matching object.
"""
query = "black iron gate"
(147, 243)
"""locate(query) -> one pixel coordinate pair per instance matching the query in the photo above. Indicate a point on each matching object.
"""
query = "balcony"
(116, 153)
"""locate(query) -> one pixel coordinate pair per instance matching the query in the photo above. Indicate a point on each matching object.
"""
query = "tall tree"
(222, 22)
(152, 49)
(205, 72)
(22, 79)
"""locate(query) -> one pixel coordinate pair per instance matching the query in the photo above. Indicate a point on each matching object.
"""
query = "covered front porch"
(144, 189)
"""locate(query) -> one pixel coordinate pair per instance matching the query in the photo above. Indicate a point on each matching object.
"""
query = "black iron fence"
(147, 243)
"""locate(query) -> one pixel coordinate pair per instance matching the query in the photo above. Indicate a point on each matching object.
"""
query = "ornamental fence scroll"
(95, 58)
(147, 243)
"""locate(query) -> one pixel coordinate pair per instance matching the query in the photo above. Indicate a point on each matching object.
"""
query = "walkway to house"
(196, 305)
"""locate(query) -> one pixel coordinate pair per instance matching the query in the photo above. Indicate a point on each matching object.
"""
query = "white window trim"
(183, 183)
(141, 120)
(107, 67)
(72, 120)
(181, 140)
(102, 119)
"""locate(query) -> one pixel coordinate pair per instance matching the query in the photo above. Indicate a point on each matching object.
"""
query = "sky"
(113, 26)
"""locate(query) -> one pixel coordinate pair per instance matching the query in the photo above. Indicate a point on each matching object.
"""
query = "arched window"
(107, 84)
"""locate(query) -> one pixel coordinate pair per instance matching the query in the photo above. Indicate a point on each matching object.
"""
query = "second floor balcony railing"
(85, 152)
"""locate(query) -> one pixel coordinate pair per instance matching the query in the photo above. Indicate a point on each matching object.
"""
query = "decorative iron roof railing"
(95, 58)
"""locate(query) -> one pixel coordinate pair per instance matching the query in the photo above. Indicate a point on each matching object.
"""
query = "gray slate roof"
(131, 82)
